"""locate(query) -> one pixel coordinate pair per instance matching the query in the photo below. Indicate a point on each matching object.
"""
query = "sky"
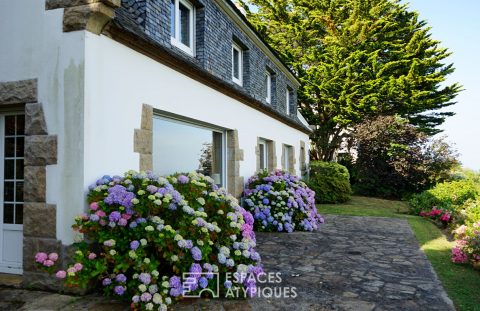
(456, 24)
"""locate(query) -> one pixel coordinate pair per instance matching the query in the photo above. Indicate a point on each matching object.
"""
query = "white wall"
(119, 80)
(92, 89)
(33, 45)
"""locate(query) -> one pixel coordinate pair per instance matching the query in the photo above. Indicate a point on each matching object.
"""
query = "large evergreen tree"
(357, 59)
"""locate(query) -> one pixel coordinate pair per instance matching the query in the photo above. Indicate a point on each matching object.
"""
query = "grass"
(461, 282)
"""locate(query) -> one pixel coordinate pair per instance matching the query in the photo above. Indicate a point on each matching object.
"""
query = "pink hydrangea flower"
(92, 256)
(100, 213)
(122, 222)
(53, 256)
(61, 274)
(94, 206)
(71, 270)
(78, 267)
(41, 257)
(48, 263)
(458, 256)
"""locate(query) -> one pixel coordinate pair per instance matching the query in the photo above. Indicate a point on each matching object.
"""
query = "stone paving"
(352, 263)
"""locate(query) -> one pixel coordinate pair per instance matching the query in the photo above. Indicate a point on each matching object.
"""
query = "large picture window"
(182, 25)
(182, 147)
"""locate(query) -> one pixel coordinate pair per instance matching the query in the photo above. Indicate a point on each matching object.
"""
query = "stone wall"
(235, 182)
(143, 139)
(91, 15)
(39, 217)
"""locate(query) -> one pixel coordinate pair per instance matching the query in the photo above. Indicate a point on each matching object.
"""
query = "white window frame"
(175, 40)
(286, 157)
(262, 143)
(269, 87)
(238, 80)
(287, 103)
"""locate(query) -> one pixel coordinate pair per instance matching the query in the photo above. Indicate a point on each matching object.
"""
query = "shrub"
(396, 159)
(330, 181)
(468, 213)
(281, 202)
(149, 230)
(447, 195)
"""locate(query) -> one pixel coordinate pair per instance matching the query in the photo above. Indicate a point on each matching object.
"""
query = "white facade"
(92, 89)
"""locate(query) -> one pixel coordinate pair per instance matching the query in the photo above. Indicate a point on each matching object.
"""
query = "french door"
(12, 138)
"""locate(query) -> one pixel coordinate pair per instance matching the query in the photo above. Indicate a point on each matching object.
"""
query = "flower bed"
(148, 230)
(281, 202)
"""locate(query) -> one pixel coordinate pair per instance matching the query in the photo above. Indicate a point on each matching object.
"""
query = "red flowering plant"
(440, 216)
(143, 232)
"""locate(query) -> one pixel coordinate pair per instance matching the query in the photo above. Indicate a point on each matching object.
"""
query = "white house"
(95, 87)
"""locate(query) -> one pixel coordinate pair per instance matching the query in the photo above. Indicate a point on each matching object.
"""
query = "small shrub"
(330, 181)
(447, 195)
(281, 202)
(148, 230)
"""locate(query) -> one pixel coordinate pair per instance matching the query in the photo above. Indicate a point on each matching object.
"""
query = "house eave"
(184, 65)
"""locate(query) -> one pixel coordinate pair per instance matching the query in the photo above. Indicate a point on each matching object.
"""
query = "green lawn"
(462, 283)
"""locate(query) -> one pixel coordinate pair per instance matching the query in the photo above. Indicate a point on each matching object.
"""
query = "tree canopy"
(358, 59)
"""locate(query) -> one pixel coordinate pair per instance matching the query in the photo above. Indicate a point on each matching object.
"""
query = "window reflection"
(182, 147)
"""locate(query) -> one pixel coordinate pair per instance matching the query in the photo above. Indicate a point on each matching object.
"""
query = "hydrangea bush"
(142, 232)
(467, 249)
(281, 202)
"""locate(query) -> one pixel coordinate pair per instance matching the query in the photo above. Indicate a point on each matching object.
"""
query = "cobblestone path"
(352, 263)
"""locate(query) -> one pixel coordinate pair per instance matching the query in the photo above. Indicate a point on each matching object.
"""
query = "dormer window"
(182, 25)
(237, 64)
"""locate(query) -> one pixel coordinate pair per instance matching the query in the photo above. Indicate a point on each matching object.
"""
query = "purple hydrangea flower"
(134, 245)
(146, 297)
(203, 282)
(106, 282)
(114, 216)
(121, 278)
(175, 282)
(145, 278)
(196, 253)
(119, 290)
(195, 270)
(119, 195)
(182, 179)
